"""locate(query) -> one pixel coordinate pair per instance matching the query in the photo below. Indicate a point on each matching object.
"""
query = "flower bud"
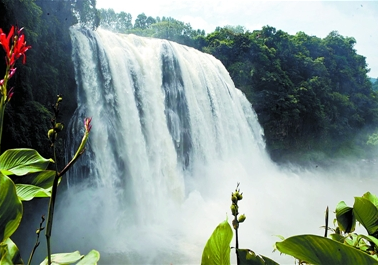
(52, 135)
(234, 199)
(241, 218)
(234, 209)
(58, 127)
(239, 196)
(235, 224)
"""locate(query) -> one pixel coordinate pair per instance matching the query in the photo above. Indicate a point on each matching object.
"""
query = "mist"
(276, 201)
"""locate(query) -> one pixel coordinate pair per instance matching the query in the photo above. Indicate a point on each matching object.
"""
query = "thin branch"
(39, 230)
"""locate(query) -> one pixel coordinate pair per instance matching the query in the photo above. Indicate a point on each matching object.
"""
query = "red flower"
(87, 124)
(11, 72)
(10, 94)
(4, 40)
(14, 45)
(19, 46)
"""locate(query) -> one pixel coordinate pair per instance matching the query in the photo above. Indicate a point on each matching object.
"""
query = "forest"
(313, 96)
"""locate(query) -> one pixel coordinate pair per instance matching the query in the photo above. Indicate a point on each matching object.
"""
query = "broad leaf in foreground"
(9, 253)
(90, 259)
(248, 257)
(371, 197)
(320, 250)
(10, 208)
(43, 179)
(63, 258)
(217, 249)
(69, 258)
(367, 214)
(27, 192)
(345, 217)
(22, 161)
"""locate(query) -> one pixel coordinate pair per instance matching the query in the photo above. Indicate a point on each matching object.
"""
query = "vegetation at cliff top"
(313, 96)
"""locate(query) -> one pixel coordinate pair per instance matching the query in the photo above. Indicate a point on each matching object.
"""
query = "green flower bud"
(58, 127)
(234, 199)
(234, 209)
(239, 196)
(52, 135)
(59, 98)
(241, 218)
(235, 224)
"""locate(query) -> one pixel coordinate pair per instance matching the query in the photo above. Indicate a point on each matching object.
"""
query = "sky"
(358, 19)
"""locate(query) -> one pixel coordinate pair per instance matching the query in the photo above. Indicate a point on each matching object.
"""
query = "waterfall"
(171, 138)
(159, 110)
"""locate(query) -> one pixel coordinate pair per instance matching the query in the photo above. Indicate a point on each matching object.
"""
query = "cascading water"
(171, 138)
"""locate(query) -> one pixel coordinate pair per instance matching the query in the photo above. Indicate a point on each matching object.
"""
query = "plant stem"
(50, 214)
(37, 241)
(2, 110)
(67, 167)
(237, 246)
(3, 101)
(53, 196)
(326, 222)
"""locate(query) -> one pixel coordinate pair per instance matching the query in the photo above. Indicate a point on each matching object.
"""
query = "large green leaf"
(361, 242)
(371, 197)
(337, 237)
(367, 214)
(69, 258)
(217, 249)
(248, 257)
(22, 161)
(320, 250)
(370, 239)
(345, 217)
(27, 192)
(43, 179)
(63, 258)
(10, 208)
(90, 259)
(9, 253)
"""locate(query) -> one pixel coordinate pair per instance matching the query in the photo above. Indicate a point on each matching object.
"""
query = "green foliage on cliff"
(311, 94)
(48, 72)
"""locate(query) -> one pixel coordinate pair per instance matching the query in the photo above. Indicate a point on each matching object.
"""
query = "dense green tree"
(117, 22)
(143, 22)
(309, 93)
(86, 13)
(375, 85)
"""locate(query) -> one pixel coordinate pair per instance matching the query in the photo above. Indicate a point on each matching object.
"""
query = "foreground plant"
(14, 45)
(217, 249)
(24, 173)
(343, 246)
